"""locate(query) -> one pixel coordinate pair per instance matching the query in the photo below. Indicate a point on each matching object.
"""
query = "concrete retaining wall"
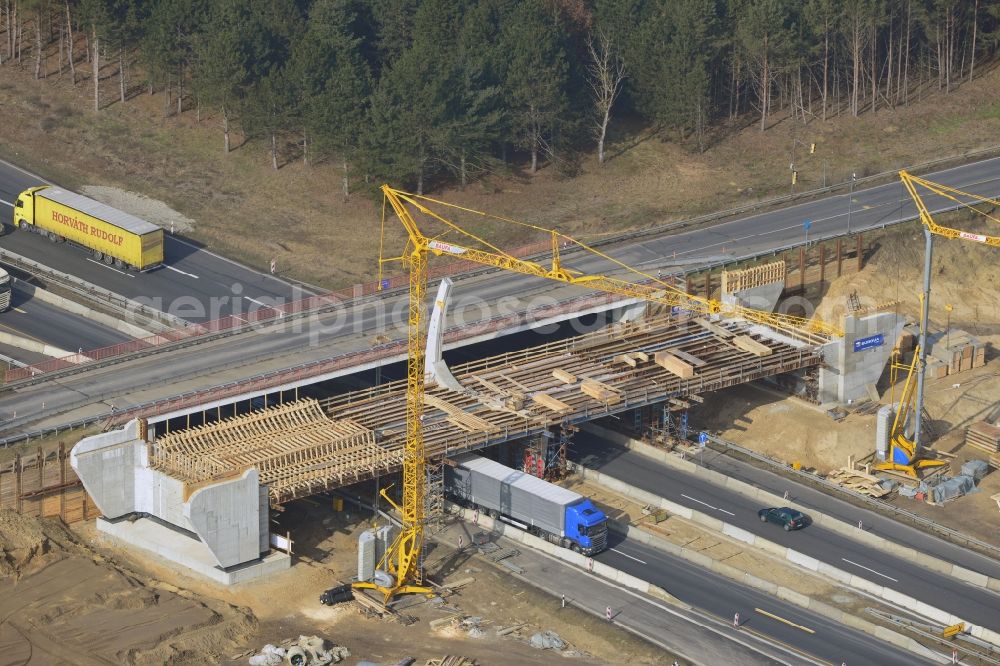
(799, 559)
(28, 344)
(86, 312)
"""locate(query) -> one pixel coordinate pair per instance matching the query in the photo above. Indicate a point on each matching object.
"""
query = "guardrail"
(392, 284)
(879, 505)
(87, 290)
(313, 368)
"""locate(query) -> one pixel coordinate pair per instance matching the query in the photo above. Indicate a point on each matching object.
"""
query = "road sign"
(807, 224)
(870, 342)
(384, 284)
(702, 438)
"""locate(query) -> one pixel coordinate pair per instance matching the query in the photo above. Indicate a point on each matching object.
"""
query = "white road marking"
(7, 202)
(627, 555)
(707, 504)
(872, 570)
(112, 268)
(177, 270)
(19, 310)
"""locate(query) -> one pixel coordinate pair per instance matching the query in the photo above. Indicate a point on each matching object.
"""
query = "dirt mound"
(63, 602)
(22, 539)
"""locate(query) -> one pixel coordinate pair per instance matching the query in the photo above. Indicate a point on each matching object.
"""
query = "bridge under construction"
(307, 446)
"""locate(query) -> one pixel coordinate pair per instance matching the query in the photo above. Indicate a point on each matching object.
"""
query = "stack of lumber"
(958, 350)
(858, 481)
(986, 438)
(600, 391)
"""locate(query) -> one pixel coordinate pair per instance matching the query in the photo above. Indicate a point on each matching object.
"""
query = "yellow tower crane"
(402, 559)
(904, 453)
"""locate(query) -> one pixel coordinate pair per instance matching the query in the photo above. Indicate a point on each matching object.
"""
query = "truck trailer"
(556, 514)
(112, 236)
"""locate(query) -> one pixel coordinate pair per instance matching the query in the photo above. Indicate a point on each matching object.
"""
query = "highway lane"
(47, 324)
(488, 294)
(970, 603)
(724, 598)
(194, 284)
(835, 507)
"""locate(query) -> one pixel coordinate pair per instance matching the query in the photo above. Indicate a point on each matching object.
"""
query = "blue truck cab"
(587, 527)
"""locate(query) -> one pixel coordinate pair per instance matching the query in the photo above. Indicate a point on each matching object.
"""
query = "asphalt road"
(194, 284)
(973, 604)
(724, 598)
(483, 296)
(43, 322)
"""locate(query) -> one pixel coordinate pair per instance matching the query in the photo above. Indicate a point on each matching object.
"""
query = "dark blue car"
(788, 518)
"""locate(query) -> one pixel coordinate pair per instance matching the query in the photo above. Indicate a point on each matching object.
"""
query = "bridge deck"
(505, 397)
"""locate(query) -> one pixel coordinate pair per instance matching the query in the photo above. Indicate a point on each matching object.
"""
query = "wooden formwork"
(42, 483)
(307, 446)
(295, 447)
(559, 379)
(807, 269)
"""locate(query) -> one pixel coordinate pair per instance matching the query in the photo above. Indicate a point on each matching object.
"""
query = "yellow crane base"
(389, 592)
(911, 469)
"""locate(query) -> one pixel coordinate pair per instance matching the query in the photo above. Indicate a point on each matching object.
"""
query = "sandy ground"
(120, 606)
(965, 275)
(62, 602)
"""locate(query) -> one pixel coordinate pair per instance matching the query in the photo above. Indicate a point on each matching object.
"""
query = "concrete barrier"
(86, 312)
(794, 557)
(487, 524)
(639, 585)
(823, 520)
(28, 344)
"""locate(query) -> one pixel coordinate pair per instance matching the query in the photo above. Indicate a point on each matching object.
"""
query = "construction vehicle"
(906, 452)
(5, 286)
(401, 562)
(556, 514)
(112, 236)
(903, 453)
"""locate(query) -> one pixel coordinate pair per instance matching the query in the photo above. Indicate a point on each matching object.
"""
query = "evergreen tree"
(536, 81)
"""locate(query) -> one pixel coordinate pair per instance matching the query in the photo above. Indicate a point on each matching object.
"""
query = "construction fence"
(41, 482)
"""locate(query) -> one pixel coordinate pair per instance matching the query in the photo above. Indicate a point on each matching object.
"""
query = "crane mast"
(402, 559)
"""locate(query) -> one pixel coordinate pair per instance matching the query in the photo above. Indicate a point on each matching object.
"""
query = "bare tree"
(975, 23)
(605, 74)
(96, 62)
(69, 34)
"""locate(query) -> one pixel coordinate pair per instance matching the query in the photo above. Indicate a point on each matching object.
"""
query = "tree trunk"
(906, 59)
(274, 151)
(225, 128)
(420, 178)
(121, 73)
(975, 23)
(826, 64)
(197, 109)
(346, 184)
(874, 66)
(180, 94)
(604, 132)
(889, 43)
(462, 171)
(69, 48)
(765, 85)
(305, 150)
(856, 53)
(96, 61)
(534, 158)
(38, 44)
(62, 42)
